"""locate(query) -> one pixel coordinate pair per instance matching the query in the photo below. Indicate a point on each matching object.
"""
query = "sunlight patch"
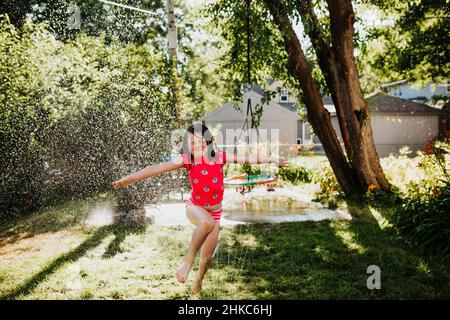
(250, 241)
(100, 216)
(73, 281)
(423, 267)
(382, 222)
(348, 239)
(323, 253)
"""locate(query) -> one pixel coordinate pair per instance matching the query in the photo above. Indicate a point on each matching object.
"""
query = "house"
(424, 94)
(397, 122)
(278, 123)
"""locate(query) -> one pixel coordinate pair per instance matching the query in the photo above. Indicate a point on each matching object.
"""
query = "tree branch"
(297, 59)
(342, 19)
(312, 26)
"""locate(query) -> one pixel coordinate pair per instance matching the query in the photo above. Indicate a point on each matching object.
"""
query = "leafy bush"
(424, 217)
(250, 169)
(381, 199)
(323, 175)
(425, 221)
(76, 115)
(404, 171)
(295, 174)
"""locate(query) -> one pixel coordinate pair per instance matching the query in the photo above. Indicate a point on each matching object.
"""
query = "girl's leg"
(206, 255)
(204, 224)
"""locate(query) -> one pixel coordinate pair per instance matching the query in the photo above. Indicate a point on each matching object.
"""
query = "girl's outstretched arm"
(281, 162)
(149, 172)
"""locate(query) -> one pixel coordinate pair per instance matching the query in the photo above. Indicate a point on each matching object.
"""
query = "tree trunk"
(327, 63)
(339, 68)
(364, 158)
(318, 116)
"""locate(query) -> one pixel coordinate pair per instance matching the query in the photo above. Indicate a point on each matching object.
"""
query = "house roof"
(380, 102)
(255, 94)
(258, 89)
(391, 84)
(289, 106)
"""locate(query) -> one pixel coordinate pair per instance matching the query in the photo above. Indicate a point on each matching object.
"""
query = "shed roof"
(380, 102)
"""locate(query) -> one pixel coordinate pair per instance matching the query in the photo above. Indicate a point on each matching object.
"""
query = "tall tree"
(331, 37)
(96, 17)
(414, 42)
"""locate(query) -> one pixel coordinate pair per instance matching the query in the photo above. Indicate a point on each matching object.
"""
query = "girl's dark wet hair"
(206, 134)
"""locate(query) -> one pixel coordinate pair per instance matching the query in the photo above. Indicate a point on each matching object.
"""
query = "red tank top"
(206, 178)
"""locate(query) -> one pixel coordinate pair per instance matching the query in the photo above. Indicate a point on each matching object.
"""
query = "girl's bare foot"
(197, 287)
(183, 272)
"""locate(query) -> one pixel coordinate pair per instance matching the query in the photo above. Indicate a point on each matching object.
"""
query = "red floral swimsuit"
(206, 181)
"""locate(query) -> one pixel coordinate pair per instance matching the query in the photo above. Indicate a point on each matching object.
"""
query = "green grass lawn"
(51, 255)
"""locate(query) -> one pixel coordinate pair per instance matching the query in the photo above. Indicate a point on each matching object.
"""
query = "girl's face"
(197, 145)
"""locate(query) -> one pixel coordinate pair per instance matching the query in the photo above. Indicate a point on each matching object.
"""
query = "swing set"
(245, 183)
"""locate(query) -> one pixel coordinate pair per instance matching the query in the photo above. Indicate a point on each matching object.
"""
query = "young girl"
(204, 164)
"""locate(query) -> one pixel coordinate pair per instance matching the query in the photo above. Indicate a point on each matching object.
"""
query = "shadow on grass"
(424, 275)
(323, 260)
(120, 229)
(53, 219)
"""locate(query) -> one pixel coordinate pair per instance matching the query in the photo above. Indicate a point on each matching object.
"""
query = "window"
(284, 95)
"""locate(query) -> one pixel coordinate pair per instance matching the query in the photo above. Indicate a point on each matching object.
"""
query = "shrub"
(76, 115)
(295, 174)
(323, 175)
(424, 217)
(425, 221)
(250, 169)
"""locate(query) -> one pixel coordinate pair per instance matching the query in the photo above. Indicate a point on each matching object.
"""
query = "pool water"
(275, 211)
(259, 206)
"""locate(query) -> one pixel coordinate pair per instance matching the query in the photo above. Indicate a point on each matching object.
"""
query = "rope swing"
(247, 87)
(244, 183)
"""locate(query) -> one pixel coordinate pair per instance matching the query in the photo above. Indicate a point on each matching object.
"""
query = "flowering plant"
(435, 156)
